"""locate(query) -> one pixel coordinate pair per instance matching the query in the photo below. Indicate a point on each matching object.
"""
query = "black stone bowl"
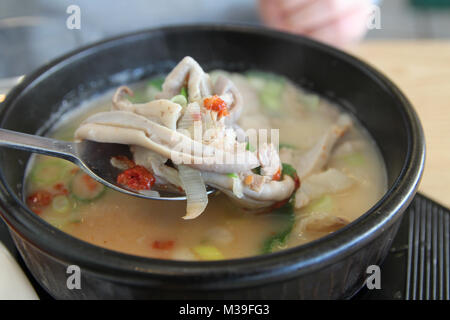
(331, 267)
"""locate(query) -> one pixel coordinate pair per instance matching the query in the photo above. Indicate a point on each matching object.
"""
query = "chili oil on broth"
(156, 229)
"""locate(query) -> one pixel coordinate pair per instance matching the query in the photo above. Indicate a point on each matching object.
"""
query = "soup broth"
(224, 231)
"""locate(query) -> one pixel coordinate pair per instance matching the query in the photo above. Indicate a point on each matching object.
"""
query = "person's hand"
(337, 22)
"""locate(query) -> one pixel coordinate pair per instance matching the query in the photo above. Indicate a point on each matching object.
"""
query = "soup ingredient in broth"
(137, 178)
(326, 155)
(162, 137)
(84, 188)
(39, 200)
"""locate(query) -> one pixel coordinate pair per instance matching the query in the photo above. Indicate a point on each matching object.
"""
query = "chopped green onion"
(180, 99)
(256, 82)
(154, 87)
(61, 204)
(354, 159)
(184, 93)
(287, 146)
(156, 83)
(139, 97)
(289, 170)
(279, 239)
(323, 204)
(271, 95)
(249, 147)
(270, 87)
(207, 252)
(286, 210)
(311, 101)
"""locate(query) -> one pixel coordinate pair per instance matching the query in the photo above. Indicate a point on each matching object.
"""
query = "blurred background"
(33, 32)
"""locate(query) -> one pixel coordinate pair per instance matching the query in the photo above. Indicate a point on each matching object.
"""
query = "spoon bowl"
(94, 158)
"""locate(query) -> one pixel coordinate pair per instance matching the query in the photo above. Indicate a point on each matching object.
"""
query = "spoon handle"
(37, 144)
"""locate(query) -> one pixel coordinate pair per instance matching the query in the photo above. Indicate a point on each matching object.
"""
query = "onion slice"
(195, 189)
(238, 188)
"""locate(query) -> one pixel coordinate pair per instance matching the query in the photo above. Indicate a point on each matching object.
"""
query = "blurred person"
(337, 22)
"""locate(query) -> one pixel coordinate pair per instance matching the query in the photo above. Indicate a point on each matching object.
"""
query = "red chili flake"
(283, 202)
(215, 103)
(58, 186)
(277, 175)
(38, 200)
(137, 178)
(163, 245)
(62, 190)
(74, 170)
(297, 182)
(279, 204)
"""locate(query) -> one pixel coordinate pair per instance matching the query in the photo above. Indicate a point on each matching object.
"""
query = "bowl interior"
(40, 100)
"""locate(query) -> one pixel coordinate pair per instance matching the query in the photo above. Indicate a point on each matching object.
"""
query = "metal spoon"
(92, 157)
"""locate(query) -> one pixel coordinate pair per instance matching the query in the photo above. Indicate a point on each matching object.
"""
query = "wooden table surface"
(422, 70)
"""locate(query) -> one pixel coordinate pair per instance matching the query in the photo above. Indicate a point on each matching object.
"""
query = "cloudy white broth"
(350, 179)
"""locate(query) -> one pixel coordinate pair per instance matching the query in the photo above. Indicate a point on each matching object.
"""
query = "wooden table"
(422, 70)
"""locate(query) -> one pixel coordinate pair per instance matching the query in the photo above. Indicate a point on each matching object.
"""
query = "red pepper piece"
(163, 245)
(277, 175)
(62, 190)
(39, 200)
(137, 178)
(216, 104)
